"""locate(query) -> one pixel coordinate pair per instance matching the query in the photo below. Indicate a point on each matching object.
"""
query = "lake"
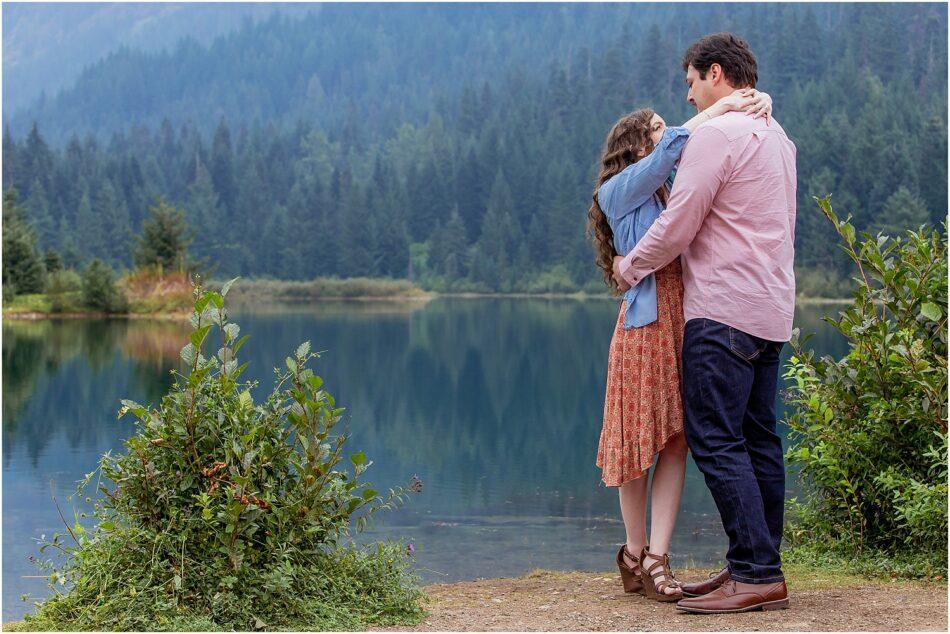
(495, 404)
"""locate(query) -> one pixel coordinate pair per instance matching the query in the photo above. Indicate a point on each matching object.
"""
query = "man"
(731, 216)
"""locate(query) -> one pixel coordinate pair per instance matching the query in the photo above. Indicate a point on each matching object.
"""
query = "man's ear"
(715, 74)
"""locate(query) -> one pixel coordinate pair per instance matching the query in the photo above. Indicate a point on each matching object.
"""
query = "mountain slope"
(46, 46)
(382, 65)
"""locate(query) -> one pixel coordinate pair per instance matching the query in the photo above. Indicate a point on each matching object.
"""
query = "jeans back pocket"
(745, 345)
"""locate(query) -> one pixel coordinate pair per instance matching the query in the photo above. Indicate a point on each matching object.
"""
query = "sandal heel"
(632, 583)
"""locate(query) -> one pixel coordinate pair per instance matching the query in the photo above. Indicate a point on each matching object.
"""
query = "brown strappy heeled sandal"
(654, 589)
(630, 576)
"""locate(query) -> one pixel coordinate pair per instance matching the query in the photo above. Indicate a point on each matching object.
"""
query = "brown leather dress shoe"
(700, 588)
(734, 596)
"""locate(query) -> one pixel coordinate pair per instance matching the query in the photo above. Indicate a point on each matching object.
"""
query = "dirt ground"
(583, 601)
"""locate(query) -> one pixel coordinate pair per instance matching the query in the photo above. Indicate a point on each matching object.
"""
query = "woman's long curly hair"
(629, 134)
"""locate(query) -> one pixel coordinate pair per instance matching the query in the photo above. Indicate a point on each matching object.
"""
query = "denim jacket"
(629, 201)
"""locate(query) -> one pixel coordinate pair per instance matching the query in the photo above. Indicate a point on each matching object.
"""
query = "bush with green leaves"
(61, 285)
(870, 429)
(99, 290)
(226, 513)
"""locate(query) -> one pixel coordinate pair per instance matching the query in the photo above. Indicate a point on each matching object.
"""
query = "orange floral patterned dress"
(643, 408)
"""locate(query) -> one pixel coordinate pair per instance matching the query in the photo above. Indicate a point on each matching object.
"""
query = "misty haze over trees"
(460, 143)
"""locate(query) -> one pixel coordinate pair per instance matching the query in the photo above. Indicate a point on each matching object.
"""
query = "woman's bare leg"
(633, 508)
(667, 488)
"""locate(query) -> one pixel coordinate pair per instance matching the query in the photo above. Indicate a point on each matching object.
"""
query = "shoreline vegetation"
(165, 297)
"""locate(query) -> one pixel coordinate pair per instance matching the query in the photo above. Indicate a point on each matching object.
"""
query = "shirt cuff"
(629, 272)
(670, 134)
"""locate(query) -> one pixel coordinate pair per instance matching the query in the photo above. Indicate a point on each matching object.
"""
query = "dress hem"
(646, 471)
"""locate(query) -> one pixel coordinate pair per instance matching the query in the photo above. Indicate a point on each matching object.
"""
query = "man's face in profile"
(700, 90)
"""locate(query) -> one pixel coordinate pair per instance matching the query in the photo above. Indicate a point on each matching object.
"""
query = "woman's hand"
(622, 284)
(760, 104)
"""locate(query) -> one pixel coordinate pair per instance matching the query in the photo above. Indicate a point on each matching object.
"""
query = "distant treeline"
(485, 186)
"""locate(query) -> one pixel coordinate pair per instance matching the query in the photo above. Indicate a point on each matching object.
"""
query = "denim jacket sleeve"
(632, 187)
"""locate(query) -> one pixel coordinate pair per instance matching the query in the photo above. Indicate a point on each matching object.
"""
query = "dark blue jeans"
(729, 385)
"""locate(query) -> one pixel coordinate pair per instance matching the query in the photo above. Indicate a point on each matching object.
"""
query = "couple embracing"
(695, 226)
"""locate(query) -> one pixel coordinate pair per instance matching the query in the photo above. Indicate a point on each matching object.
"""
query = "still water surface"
(495, 404)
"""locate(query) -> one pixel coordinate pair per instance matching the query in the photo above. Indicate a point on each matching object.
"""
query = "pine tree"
(536, 241)
(498, 243)
(357, 232)
(205, 213)
(23, 270)
(222, 168)
(164, 239)
(560, 213)
(902, 211)
(933, 168)
(52, 261)
(426, 202)
(453, 247)
(115, 224)
(280, 256)
(67, 241)
(392, 246)
(470, 193)
(36, 162)
(652, 64)
(469, 112)
(88, 229)
(40, 213)
(10, 154)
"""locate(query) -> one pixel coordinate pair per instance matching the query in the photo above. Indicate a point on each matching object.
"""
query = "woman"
(643, 410)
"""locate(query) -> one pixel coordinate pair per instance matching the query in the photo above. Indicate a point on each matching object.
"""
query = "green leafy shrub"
(99, 290)
(556, 279)
(225, 513)
(870, 429)
(61, 287)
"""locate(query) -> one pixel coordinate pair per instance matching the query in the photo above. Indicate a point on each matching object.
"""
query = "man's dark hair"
(731, 52)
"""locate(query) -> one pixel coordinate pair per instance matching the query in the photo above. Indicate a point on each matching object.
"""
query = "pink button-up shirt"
(731, 215)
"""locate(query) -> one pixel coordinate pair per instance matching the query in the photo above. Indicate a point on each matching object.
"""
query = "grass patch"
(148, 292)
(347, 589)
(882, 567)
(31, 303)
(68, 302)
(323, 288)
